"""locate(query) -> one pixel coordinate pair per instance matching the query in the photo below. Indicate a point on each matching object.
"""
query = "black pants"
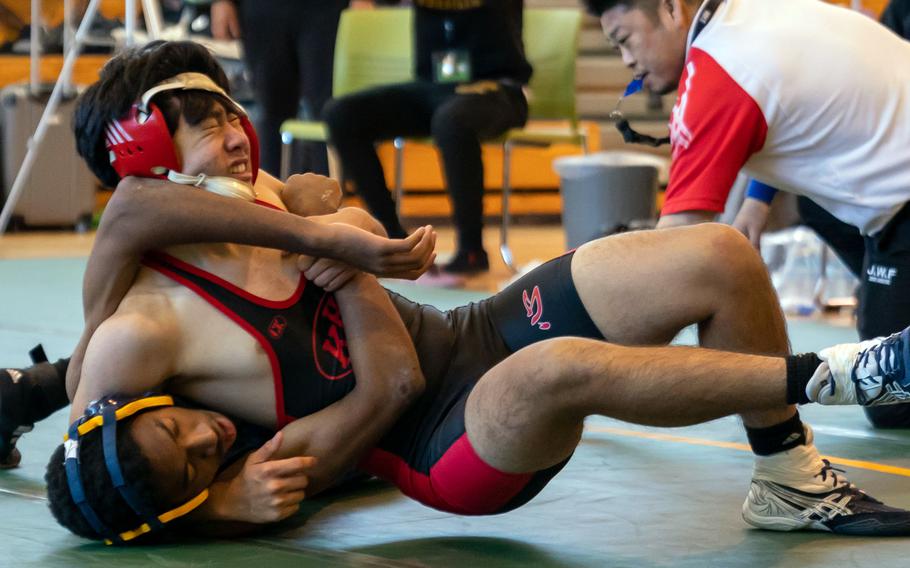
(882, 264)
(457, 122)
(289, 46)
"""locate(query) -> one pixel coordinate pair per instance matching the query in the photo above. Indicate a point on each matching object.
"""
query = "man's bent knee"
(556, 368)
(726, 255)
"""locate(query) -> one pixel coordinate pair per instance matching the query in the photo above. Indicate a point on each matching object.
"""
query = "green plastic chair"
(373, 47)
(551, 45)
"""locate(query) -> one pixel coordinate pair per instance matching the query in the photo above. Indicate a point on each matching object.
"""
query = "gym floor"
(631, 496)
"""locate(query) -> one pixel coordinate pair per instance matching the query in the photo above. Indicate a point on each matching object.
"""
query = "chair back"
(551, 46)
(373, 47)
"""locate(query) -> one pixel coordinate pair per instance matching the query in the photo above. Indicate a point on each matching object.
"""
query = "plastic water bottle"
(798, 275)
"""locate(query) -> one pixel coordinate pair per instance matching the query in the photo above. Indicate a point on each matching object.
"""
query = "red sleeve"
(714, 128)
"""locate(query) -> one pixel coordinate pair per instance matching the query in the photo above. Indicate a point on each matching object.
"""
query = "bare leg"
(527, 413)
(643, 288)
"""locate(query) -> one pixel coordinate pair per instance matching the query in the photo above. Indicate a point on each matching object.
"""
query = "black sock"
(778, 438)
(799, 370)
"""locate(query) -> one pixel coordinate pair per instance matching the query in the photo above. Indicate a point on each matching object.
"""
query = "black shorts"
(428, 454)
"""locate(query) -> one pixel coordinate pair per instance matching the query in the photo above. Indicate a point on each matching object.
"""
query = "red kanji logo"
(277, 327)
(534, 308)
(335, 346)
(330, 347)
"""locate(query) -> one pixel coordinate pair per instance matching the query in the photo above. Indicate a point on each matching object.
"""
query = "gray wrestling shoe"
(869, 373)
(798, 490)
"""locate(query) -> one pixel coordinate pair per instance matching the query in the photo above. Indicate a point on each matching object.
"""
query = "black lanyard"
(630, 135)
(703, 18)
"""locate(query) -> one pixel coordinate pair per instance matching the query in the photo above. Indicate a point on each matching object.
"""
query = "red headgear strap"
(140, 143)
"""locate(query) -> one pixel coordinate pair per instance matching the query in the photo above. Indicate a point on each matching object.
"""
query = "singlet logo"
(881, 274)
(680, 134)
(277, 327)
(534, 308)
(330, 348)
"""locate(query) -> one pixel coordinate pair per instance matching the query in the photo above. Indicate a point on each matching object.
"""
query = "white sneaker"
(798, 490)
(869, 373)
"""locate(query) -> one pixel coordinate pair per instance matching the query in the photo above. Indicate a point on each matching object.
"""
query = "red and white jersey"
(802, 95)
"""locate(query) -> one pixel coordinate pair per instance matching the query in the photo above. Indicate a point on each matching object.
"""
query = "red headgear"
(140, 143)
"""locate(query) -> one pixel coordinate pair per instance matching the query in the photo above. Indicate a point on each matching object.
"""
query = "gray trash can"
(606, 192)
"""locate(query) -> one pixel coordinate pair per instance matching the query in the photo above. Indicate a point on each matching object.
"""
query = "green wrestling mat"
(631, 496)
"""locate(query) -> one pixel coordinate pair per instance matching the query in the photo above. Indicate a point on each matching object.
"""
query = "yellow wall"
(52, 13)
(15, 68)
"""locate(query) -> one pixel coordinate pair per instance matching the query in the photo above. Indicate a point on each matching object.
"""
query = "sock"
(778, 438)
(799, 370)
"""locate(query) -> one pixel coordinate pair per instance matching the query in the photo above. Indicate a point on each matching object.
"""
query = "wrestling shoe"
(869, 373)
(798, 490)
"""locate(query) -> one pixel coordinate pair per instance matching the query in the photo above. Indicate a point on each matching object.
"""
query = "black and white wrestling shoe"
(798, 490)
(870, 373)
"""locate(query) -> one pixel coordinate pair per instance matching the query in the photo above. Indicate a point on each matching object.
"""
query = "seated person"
(470, 411)
(471, 72)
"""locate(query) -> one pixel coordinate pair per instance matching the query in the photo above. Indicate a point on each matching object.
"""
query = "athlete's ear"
(672, 7)
(679, 12)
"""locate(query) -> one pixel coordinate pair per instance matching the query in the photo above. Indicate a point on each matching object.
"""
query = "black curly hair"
(104, 499)
(123, 80)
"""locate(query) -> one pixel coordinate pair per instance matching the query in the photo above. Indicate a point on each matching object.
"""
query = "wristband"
(760, 191)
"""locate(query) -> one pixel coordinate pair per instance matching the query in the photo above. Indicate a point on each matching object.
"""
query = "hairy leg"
(527, 413)
(643, 288)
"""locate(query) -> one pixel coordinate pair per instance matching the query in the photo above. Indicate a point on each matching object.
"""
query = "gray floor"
(630, 497)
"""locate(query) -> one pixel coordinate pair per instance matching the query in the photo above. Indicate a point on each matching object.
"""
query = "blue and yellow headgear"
(105, 413)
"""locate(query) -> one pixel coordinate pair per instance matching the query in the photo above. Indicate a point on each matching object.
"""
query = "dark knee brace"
(27, 396)
(889, 416)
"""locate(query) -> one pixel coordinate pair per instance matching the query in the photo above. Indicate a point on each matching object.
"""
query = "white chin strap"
(219, 185)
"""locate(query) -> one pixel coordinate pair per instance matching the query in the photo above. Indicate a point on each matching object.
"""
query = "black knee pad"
(32, 394)
(889, 416)
(12, 404)
(12, 398)
(26, 396)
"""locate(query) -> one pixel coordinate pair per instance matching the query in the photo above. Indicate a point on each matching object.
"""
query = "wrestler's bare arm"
(146, 214)
(685, 218)
(130, 353)
(389, 379)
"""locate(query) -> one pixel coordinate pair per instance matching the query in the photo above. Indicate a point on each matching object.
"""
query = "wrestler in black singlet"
(426, 454)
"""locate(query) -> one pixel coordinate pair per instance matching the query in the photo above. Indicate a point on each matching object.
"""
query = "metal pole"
(154, 21)
(398, 143)
(130, 22)
(34, 48)
(68, 37)
(504, 250)
(49, 111)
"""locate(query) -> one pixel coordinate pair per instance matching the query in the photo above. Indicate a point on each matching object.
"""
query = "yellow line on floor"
(858, 464)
